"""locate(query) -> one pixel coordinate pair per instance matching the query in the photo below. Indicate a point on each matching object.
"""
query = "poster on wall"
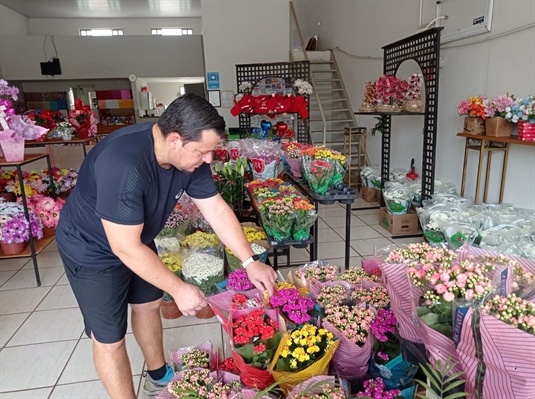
(214, 98)
(213, 80)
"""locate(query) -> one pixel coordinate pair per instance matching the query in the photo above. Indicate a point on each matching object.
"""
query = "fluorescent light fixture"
(171, 31)
(101, 32)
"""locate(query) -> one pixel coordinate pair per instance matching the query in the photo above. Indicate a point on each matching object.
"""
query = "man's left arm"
(228, 229)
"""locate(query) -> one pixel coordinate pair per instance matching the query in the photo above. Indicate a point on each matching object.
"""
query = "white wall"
(131, 26)
(243, 32)
(489, 68)
(104, 57)
(165, 93)
(13, 23)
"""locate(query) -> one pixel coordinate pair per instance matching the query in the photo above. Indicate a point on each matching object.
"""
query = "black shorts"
(103, 296)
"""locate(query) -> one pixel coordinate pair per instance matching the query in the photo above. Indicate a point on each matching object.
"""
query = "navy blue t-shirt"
(120, 181)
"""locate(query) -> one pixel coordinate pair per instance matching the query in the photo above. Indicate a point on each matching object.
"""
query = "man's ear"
(175, 140)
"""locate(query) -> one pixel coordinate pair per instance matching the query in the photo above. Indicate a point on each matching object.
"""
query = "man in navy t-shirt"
(127, 187)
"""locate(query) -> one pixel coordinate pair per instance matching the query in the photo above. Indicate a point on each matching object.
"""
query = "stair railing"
(294, 25)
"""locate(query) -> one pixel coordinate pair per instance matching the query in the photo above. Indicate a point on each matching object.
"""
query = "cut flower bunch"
(202, 384)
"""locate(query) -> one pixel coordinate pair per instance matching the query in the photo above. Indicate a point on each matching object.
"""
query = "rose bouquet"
(302, 354)
(83, 120)
(277, 217)
(305, 216)
(292, 305)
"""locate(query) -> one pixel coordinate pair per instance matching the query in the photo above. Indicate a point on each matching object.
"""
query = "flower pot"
(49, 231)
(498, 127)
(83, 133)
(474, 126)
(206, 313)
(13, 149)
(8, 197)
(64, 195)
(13, 249)
(413, 106)
(170, 310)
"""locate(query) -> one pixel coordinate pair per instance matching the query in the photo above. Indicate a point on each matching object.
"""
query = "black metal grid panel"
(385, 148)
(424, 48)
(253, 73)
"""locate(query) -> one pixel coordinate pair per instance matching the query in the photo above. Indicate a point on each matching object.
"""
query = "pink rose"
(449, 296)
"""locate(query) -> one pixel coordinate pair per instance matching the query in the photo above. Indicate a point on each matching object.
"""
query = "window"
(101, 32)
(171, 31)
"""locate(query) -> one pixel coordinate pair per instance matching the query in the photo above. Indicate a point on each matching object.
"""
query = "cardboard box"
(370, 194)
(399, 224)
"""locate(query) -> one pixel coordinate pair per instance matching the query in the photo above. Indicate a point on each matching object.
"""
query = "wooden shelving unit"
(39, 246)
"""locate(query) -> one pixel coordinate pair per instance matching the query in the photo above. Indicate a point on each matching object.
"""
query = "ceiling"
(105, 8)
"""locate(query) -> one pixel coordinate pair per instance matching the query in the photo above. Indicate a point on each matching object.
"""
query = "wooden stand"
(487, 144)
(356, 133)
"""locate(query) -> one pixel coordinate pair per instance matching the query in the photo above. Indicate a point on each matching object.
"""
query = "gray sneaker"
(154, 387)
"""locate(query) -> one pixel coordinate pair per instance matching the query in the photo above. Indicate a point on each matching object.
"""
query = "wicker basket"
(498, 127)
(367, 108)
(474, 125)
(387, 108)
(413, 106)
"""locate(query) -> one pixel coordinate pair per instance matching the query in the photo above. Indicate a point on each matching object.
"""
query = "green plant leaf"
(422, 311)
(274, 341)
(266, 391)
(428, 388)
(431, 374)
(429, 319)
(453, 385)
(457, 395)
(246, 351)
(454, 376)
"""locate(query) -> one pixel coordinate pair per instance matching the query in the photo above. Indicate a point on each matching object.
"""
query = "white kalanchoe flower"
(200, 267)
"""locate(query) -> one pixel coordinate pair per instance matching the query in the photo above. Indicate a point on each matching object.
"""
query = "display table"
(37, 246)
(51, 143)
(487, 144)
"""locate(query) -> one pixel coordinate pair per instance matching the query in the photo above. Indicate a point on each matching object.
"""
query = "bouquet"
(197, 358)
(202, 384)
(302, 354)
(16, 229)
(353, 323)
(221, 153)
(277, 217)
(320, 387)
(303, 88)
(523, 109)
(305, 216)
(376, 389)
(356, 275)
(474, 107)
(174, 223)
(292, 156)
(65, 130)
(229, 182)
(331, 296)
(414, 87)
(376, 296)
(229, 366)
(294, 306)
(391, 90)
(203, 270)
(332, 157)
(318, 270)
(83, 120)
(497, 107)
(255, 338)
(47, 119)
(318, 174)
(239, 281)
(512, 310)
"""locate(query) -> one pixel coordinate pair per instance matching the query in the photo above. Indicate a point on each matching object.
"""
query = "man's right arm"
(126, 244)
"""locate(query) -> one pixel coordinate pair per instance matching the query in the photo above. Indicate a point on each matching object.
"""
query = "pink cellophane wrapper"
(207, 347)
(509, 358)
(350, 361)
(316, 383)
(369, 266)
(295, 166)
(401, 300)
(26, 128)
(466, 351)
(220, 304)
(12, 146)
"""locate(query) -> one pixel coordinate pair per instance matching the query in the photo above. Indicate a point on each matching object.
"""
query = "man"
(127, 187)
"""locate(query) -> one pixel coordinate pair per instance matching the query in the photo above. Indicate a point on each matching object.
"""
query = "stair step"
(330, 99)
(328, 90)
(321, 62)
(331, 120)
(327, 80)
(323, 70)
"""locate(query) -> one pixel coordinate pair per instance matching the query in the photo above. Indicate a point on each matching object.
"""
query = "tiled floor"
(44, 353)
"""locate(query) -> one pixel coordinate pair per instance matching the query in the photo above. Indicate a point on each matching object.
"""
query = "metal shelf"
(391, 113)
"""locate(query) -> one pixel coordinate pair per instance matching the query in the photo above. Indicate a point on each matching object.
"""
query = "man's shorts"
(103, 296)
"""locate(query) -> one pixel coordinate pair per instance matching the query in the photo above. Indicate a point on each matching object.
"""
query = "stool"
(358, 133)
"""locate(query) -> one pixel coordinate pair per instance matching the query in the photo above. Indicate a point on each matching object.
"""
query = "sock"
(158, 374)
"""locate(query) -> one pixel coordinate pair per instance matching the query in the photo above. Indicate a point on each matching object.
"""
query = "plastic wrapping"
(397, 174)
(319, 174)
(319, 270)
(365, 173)
(398, 200)
(209, 362)
(264, 156)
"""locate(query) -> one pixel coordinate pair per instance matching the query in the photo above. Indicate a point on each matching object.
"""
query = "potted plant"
(495, 110)
(229, 182)
(7, 185)
(83, 120)
(15, 228)
(413, 98)
(390, 93)
(168, 305)
(48, 210)
(474, 112)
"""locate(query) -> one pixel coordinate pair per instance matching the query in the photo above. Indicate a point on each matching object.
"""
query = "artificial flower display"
(45, 118)
(474, 107)
(46, 208)
(83, 119)
(391, 90)
(303, 87)
(498, 107)
(523, 109)
(14, 227)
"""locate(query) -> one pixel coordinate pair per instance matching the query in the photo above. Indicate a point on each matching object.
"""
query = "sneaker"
(153, 387)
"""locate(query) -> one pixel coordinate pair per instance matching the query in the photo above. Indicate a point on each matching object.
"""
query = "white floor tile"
(371, 211)
(13, 263)
(42, 393)
(33, 366)
(327, 235)
(322, 224)
(410, 240)
(340, 221)
(82, 368)
(367, 247)
(360, 203)
(380, 229)
(361, 233)
(331, 211)
(176, 338)
(6, 275)
(9, 324)
(82, 390)
(332, 250)
(47, 259)
(371, 219)
(182, 321)
(20, 301)
(25, 278)
(63, 280)
(49, 326)
(59, 297)
(52, 247)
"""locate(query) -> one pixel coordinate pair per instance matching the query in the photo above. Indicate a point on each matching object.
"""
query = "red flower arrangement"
(83, 120)
(45, 118)
(391, 90)
(229, 366)
(473, 107)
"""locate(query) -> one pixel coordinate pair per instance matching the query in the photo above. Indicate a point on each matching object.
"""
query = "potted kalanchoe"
(65, 130)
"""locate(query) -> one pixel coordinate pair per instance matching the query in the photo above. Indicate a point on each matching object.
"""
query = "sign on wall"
(213, 80)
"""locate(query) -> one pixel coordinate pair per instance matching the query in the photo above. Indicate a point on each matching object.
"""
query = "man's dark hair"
(189, 115)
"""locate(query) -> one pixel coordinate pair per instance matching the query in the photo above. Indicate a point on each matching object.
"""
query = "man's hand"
(190, 299)
(262, 276)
